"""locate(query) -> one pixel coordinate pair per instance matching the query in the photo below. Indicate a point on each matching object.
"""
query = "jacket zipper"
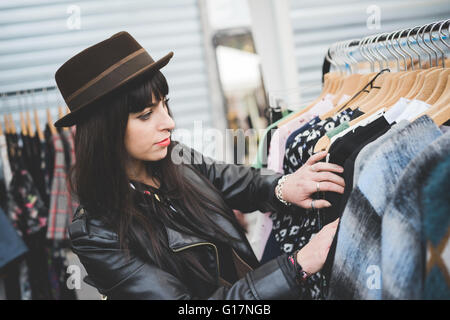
(201, 244)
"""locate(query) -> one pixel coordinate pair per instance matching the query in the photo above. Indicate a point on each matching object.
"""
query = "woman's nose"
(166, 122)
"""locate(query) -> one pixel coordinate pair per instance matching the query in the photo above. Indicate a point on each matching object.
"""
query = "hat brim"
(73, 117)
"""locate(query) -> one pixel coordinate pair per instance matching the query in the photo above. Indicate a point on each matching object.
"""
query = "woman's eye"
(146, 116)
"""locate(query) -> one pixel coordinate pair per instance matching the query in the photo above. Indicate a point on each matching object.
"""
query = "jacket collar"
(178, 241)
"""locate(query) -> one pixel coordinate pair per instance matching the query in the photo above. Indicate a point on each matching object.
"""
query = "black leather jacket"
(243, 188)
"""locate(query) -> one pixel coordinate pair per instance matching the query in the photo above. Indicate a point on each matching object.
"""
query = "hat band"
(110, 78)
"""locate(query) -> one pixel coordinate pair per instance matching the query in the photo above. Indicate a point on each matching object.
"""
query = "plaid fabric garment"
(73, 202)
(356, 271)
(60, 214)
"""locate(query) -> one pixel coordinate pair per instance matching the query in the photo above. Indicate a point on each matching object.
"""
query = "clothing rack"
(28, 91)
(12, 102)
(384, 37)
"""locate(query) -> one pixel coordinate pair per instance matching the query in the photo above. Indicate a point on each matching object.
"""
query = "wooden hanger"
(365, 78)
(12, 124)
(374, 98)
(440, 111)
(6, 120)
(61, 114)
(349, 87)
(38, 126)
(29, 127)
(377, 85)
(393, 87)
(420, 79)
(443, 115)
(403, 87)
(353, 102)
(50, 122)
(23, 127)
(429, 83)
(439, 88)
(328, 78)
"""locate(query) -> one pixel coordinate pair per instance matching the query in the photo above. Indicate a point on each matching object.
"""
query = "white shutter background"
(35, 40)
(317, 24)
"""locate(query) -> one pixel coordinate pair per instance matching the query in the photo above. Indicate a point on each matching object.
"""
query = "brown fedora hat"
(100, 70)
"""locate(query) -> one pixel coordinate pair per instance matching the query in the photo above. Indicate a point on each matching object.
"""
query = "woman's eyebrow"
(151, 105)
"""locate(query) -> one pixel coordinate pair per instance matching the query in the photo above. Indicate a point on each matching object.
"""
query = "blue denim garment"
(356, 272)
(11, 244)
(402, 246)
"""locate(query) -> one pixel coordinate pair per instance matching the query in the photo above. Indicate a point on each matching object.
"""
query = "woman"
(155, 219)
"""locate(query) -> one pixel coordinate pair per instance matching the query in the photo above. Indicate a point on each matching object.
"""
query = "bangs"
(140, 97)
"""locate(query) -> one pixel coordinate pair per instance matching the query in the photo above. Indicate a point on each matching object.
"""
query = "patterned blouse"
(294, 228)
(302, 147)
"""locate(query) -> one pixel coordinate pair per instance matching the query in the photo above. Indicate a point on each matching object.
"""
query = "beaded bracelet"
(279, 190)
(300, 274)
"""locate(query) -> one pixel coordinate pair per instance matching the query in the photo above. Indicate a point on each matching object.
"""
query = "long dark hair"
(99, 181)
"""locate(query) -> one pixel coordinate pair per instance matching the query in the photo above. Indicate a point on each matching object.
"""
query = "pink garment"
(278, 141)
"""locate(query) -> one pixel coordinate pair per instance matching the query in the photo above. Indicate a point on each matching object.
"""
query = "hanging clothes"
(404, 234)
(303, 145)
(60, 213)
(359, 231)
(11, 244)
(435, 222)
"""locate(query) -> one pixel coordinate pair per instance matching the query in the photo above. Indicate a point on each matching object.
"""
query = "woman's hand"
(313, 255)
(312, 177)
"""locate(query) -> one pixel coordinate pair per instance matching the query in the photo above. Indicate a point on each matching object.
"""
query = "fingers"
(333, 224)
(316, 157)
(325, 166)
(331, 230)
(320, 204)
(328, 176)
(329, 186)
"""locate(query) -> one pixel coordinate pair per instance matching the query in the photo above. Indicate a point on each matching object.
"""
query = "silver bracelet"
(279, 190)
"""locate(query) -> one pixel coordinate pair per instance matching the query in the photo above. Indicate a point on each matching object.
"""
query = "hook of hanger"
(347, 55)
(371, 49)
(331, 53)
(425, 43)
(342, 56)
(432, 42)
(337, 57)
(350, 54)
(393, 52)
(398, 50)
(401, 48)
(377, 52)
(441, 33)
(412, 49)
(418, 36)
(367, 52)
(361, 49)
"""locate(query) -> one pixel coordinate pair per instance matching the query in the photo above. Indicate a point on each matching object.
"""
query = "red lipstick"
(164, 143)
